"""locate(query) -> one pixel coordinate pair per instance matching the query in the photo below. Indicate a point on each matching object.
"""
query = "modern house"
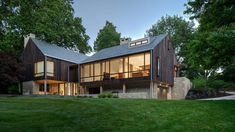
(142, 68)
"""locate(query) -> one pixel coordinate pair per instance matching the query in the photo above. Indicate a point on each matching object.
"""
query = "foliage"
(10, 69)
(212, 50)
(179, 30)
(212, 14)
(212, 46)
(211, 83)
(107, 37)
(199, 82)
(13, 89)
(52, 21)
(107, 95)
(26, 114)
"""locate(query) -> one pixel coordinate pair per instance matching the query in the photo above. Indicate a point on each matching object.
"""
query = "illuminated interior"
(131, 66)
(57, 88)
(39, 68)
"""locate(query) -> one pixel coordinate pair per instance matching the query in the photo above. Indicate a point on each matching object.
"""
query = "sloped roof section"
(124, 49)
(54, 51)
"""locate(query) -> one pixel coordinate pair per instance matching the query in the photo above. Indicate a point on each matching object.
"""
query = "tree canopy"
(107, 37)
(52, 21)
(212, 46)
(177, 28)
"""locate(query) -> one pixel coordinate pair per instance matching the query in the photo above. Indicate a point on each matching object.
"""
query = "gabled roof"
(54, 51)
(124, 49)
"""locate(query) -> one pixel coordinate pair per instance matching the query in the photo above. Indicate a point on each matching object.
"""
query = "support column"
(101, 89)
(124, 88)
(45, 87)
(45, 75)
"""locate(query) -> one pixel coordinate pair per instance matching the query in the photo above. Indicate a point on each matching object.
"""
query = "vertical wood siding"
(165, 52)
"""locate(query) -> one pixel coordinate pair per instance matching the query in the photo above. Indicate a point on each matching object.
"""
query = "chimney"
(26, 38)
(125, 40)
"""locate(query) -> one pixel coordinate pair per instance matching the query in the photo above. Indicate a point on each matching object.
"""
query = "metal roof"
(54, 51)
(124, 49)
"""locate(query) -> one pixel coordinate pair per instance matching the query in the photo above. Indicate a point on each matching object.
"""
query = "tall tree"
(107, 37)
(212, 46)
(179, 30)
(52, 21)
(10, 69)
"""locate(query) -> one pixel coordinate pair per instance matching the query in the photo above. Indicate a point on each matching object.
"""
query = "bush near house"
(107, 95)
(207, 88)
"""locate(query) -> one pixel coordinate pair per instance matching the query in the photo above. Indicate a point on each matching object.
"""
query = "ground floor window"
(67, 89)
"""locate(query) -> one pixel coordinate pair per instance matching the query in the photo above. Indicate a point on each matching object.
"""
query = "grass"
(73, 114)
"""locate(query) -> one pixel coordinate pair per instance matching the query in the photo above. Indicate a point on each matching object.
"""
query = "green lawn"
(73, 114)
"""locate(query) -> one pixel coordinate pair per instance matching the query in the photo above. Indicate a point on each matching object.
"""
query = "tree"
(212, 14)
(107, 37)
(52, 21)
(177, 28)
(10, 69)
(212, 46)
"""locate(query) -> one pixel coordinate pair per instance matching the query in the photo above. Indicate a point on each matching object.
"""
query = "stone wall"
(142, 95)
(28, 87)
(181, 87)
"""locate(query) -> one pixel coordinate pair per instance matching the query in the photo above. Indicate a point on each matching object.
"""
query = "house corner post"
(101, 89)
(124, 88)
(45, 75)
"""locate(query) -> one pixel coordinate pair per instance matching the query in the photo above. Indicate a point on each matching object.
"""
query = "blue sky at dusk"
(131, 17)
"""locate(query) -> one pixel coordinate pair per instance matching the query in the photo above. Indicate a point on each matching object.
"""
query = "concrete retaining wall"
(28, 87)
(142, 95)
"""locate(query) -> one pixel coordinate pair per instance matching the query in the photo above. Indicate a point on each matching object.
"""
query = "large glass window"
(39, 69)
(147, 61)
(50, 68)
(136, 62)
(137, 65)
(97, 71)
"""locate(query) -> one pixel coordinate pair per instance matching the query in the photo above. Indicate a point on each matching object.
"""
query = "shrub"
(107, 95)
(115, 96)
(13, 89)
(199, 83)
(101, 96)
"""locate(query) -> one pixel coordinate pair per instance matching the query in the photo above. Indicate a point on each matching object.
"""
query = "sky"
(131, 17)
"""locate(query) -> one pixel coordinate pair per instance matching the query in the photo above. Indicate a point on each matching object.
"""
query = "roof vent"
(26, 38)
(125, 40)
(139, 42)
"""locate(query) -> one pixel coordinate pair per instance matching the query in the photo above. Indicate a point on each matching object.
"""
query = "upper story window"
(50, 68)
(39, 68)
(137, 65)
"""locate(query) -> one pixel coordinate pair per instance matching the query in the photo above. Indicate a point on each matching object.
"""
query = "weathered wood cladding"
(165, 52)
(73, 73)
(60, 69)
(31, 55)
